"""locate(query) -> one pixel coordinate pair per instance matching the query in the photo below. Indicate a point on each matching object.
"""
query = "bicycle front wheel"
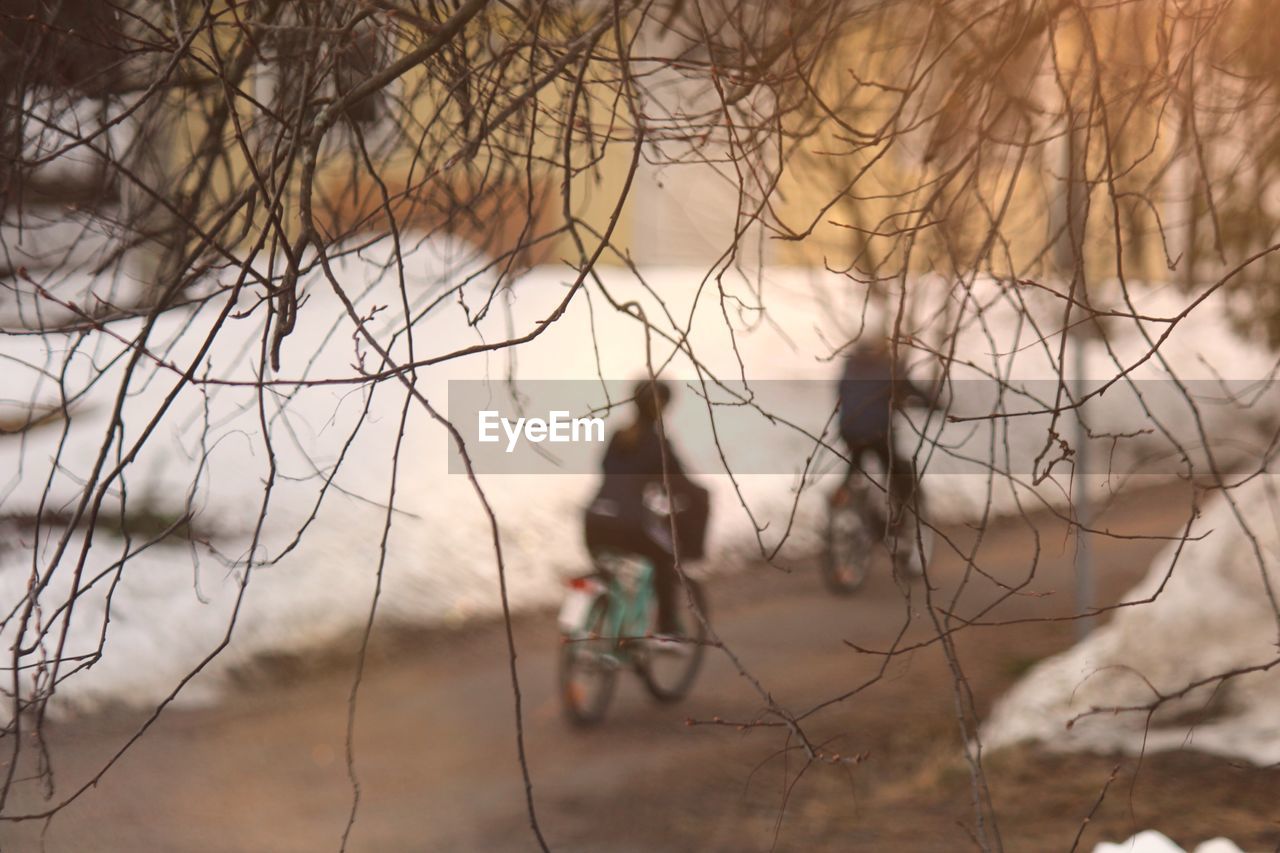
(848, 550)
(669, 668)
(588, 668)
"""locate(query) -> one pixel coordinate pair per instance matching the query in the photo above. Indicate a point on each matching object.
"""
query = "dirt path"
(435, 747)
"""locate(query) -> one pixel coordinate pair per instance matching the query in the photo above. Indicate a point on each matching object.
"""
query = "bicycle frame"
(629, 596)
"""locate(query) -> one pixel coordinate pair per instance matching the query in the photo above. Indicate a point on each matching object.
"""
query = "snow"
(1218, 845)
(1215, 614)
(315, 576)
(1150, 841)
(40, 236)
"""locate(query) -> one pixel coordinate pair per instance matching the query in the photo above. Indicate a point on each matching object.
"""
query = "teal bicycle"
(607, 622)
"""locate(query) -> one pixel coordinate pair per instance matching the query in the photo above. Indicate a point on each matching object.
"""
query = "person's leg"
(856, 451)
(903, 481)
(655, 545)
(902, 490)
(898, 479)
(665, 587)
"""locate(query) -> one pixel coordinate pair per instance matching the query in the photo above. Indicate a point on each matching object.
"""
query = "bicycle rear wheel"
(588, 668)
(847, 555)
(668, 670)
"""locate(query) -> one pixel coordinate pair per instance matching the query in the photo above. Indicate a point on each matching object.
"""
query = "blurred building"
(1006, 144)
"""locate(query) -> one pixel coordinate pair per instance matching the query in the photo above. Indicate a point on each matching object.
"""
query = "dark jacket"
(871, 390)
(633, 468)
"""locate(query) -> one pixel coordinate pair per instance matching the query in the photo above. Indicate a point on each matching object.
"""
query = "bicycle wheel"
(588, 668)
(669, 671)
(848, 549)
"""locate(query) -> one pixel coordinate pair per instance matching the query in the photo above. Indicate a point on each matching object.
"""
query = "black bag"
(694, 503)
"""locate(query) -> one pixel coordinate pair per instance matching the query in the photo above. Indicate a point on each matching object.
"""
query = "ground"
(435, 743)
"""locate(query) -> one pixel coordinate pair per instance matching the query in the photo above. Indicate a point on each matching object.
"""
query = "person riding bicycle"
(638, 463)
(872, 390)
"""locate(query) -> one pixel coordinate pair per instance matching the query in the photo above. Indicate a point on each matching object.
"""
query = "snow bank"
(1215, 614)
(1150, 841)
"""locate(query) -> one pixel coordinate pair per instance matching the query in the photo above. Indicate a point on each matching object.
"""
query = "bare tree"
(164, 161)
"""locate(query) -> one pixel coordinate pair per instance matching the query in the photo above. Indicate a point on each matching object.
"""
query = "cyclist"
(620, 518)
(872, 389)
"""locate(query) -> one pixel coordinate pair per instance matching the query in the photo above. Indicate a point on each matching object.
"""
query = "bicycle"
(607, 623)
(856, 521)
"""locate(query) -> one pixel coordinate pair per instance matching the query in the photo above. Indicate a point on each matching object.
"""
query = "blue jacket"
(869, 395)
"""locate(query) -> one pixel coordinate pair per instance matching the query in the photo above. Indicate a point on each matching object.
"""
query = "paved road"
(435, 747)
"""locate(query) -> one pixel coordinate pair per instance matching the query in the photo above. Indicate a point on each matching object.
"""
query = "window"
(345, 60)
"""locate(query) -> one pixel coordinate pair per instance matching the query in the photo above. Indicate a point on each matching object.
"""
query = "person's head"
(871, 349)
(873, 345)
(652, 397)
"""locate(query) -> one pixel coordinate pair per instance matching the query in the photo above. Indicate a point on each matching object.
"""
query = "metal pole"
(1071, 212)
(1084, 514)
